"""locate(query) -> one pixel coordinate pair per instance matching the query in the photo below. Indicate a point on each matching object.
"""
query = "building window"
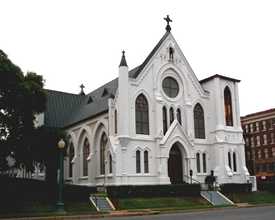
(251, 128)
(110, 164)
(252, 141)
(204, 162)
(115, 121)
(142, 115)
(170, 87)
(273, 151)
(247, 141)
(265, 139)
(272, 138)
(198, 162)
(138, 161)
(229, 160)
(85, 154)
(179, 115)
(103, 143)
(234, 162)
(228, 107)
(257, 126)
(266, 153)
(258, 141)
(264, 125)
(71, 157)
(171, 114)
(164, 119)
(199, 122)
(146, 162)
(259, 154)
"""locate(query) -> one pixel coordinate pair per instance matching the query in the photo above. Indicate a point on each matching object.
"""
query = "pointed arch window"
(110, 164)
(142, 115)
(171, 114)
(204, 162)
(199, 122)
(71, 157)
(103, 143)
(228, 107)
(164, 119)
(138, 170)
(198, 161)
(146, 162)
(115, 121)
(234, 162)
(229, 160)
(85, 155)
(179, 115)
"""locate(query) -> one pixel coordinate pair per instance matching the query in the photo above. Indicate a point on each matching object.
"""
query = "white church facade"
(152, 125)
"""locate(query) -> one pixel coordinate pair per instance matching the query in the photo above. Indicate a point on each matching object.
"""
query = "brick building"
(259, 137)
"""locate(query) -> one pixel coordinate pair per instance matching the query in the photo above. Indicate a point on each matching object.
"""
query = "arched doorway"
(175, 169)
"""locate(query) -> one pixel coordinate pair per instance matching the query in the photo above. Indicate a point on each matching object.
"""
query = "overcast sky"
(74, 42)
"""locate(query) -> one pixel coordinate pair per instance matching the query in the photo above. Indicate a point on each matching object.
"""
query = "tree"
(21, 98)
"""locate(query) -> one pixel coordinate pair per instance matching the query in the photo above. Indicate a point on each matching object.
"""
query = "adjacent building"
(259, 137)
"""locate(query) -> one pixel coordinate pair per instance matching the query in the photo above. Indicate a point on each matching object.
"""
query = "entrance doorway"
(175, 169)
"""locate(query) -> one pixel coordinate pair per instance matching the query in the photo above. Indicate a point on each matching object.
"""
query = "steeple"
(123, 60)
(168, 27)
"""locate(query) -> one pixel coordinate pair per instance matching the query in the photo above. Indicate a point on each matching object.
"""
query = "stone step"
(102, 203)
(216, 198)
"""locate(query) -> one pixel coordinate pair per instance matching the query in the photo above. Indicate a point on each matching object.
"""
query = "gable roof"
(136, 71)
(219, 76)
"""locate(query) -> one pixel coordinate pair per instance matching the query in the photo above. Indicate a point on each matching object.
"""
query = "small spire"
(168, 27)
(123, 60)
(82, 89)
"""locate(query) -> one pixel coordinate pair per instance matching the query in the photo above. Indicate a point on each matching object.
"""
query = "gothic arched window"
(229, 160)
(71, 157)
(110, 164)
(115, 121)
(85, 155)
(204, 162)
(198, 161)
(103, 143)
(142, 115)
(199, 122)
(234, 162)
(228, 107)
(146, 162)
(171, 114)
(164, 119)
(138, 170)
(179, 115)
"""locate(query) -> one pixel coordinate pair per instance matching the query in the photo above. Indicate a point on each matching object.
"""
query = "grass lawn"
(253, 197)
(162, 203)
(45, 209)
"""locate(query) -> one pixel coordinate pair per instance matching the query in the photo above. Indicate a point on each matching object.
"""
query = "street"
(255, 213)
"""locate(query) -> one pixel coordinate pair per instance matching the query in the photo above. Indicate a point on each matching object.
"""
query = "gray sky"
(80, 41)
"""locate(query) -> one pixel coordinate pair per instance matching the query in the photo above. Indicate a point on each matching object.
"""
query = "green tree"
(21, 98)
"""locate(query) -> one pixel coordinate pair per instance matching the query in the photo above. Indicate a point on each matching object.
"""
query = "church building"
(153, 124)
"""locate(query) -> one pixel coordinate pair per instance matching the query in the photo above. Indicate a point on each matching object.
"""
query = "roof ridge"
(151, 54)
(68, 93)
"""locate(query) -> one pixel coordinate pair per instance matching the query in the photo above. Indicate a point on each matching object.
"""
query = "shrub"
(131, 191)
(236, 187)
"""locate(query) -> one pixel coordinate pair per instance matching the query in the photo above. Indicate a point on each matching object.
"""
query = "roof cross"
(82, 89)
(168, 20)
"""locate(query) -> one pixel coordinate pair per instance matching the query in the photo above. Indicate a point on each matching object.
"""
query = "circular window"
(170, 87)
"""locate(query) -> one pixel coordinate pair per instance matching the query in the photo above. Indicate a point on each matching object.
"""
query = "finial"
(123, 60)
(167, 19)
(82, 89)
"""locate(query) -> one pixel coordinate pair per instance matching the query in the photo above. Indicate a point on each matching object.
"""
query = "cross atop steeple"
(82, 89)
(168, 20)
